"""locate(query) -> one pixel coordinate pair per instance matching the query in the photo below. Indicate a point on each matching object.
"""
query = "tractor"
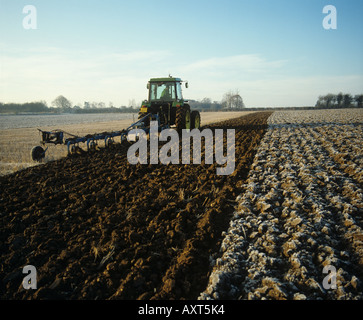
(166, 101)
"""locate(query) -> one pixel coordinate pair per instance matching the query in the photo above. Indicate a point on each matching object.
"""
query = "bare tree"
(232, 100)
(329, 100)
(62, 103)
(339, 99)
(347, 100)
(132, 103)
(359, 100)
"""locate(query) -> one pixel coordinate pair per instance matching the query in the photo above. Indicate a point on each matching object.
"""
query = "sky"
(275, 53)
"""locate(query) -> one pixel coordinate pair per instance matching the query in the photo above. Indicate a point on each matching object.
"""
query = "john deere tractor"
(166, 100)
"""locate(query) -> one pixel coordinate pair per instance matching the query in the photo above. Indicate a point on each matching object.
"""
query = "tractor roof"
(172, 79)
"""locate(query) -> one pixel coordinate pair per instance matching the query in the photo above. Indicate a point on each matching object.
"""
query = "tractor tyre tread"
(180, 117)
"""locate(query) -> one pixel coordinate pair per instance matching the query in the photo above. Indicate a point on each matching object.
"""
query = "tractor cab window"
(179, 91)
(162, 91)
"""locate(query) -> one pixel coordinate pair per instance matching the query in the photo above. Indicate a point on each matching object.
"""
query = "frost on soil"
(301, 211)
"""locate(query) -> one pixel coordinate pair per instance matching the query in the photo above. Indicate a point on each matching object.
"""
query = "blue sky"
(276, 53)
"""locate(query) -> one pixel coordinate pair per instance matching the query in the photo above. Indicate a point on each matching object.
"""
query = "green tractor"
(166, 101)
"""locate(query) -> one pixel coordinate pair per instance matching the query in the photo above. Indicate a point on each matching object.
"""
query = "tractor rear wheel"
(195, 120)
(182, 119)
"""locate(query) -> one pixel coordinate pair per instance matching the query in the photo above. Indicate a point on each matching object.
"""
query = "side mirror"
(148, 85)
(186, 85)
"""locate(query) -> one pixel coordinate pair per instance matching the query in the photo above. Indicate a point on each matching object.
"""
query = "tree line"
(340, 100)
(36, 107)
(63, 105)
(40, 107)
(231, 101)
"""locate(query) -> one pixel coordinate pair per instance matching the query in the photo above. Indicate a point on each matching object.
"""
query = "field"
(96, 227)
(301, 210)
(19, 134)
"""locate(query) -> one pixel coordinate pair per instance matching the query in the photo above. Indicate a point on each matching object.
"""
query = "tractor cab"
(161, 90)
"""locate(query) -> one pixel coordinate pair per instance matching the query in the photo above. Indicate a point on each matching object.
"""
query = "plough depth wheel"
(37, 153)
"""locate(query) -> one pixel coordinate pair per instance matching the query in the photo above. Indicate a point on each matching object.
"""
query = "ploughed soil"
(97, 227)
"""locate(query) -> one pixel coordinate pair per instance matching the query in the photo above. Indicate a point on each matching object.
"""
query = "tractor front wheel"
(195, 120)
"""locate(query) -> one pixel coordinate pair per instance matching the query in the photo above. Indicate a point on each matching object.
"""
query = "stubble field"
(97, 227)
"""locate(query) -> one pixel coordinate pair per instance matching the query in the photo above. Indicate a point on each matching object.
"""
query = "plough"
(72, 142)
(165, 105)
